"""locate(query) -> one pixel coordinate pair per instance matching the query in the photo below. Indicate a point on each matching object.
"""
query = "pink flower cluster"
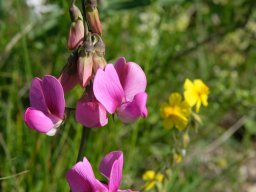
(118, 88)
(108, 89)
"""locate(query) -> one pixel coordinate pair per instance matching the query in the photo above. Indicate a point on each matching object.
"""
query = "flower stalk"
(85, 133)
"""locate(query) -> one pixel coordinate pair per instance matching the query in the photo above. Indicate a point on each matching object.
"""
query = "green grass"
(215, 44)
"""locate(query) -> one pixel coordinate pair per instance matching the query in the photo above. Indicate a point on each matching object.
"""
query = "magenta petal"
(107, 88)
(115, 176)
(91, 114)
(132, 78)
(130, 111)
(36, 95)
(111, 167)
(38, 121)
(81, 178)
(54, 95)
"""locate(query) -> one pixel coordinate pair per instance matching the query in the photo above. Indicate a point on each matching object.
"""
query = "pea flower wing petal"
(107, 88)
(54, 95)
(132, 77)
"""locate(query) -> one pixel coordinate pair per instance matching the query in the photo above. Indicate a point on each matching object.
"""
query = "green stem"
(82, 144)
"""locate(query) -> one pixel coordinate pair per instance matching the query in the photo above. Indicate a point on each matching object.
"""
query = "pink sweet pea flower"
(89, 112)
(81, 177)
(47, 105)
(121, 88)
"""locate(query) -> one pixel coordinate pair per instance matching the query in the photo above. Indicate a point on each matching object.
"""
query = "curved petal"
(107, 88)
(40, 122)
(111, 167)
(54, 95)
(115, 176)
(81, 178)
(132, 78)
(130, 111)
(91, 114)
(36, 96)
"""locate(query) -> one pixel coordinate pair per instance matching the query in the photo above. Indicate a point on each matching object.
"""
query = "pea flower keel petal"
(131, 111)
(38, 121)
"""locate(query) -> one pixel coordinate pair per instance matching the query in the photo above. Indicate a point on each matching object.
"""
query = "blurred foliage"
(172, 40)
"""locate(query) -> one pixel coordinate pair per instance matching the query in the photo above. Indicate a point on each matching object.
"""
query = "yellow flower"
(195, 93)
(151, 178)
(176, 112)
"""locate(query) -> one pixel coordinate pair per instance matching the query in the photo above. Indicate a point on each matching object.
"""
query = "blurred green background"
(172, 40)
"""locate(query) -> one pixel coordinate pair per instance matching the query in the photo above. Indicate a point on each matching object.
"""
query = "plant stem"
(82, 144)
(83, 8)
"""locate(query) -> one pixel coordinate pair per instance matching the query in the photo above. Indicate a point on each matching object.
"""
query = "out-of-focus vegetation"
(172, 40)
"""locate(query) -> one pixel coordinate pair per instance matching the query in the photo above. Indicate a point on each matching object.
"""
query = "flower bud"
(68, 77)
(75, 13)
(93, 18)
(76, 32)
(89, 105)
(177, 158)
(84, 68)
(98, 57)
(185, 140)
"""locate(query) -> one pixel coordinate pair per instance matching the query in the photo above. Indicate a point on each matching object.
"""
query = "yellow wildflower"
(195, 93)
(151, 178)
(176, 112)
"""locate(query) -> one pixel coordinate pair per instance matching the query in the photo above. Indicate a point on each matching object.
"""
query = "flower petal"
(54, 95)
(188, 85)
(191, 97)
(132, 77)
(106, 165)
(107, 88)
(40, 122)
(81, 178)
(115, 176)
(91, 113)
(36, 96)
(130, 111)
(175, 99)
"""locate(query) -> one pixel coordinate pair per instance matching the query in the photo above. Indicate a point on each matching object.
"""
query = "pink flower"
(81, 177)
(47, 105)
(90, 112)
(121, 88)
